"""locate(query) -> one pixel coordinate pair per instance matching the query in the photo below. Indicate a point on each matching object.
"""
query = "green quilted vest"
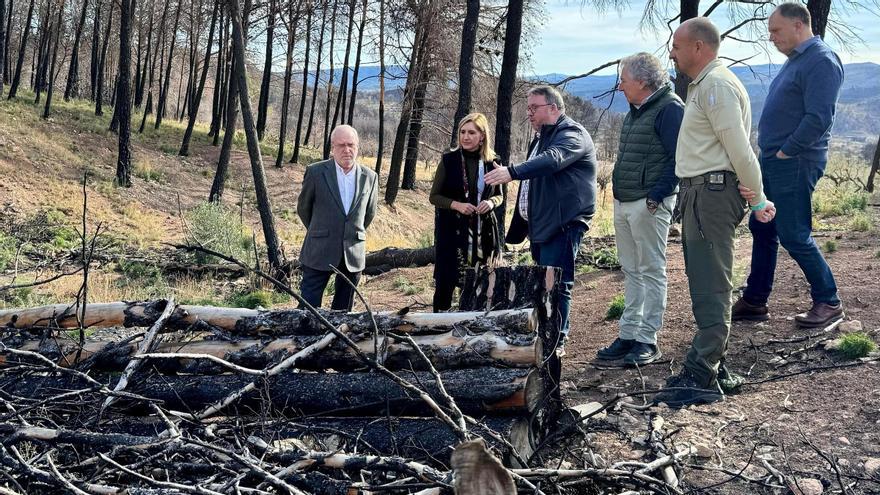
(641, 156)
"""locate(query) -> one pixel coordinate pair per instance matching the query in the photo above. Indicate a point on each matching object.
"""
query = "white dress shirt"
(347, 183)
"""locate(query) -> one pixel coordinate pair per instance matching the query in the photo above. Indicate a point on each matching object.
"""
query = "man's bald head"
(702, 29)
(344, 143)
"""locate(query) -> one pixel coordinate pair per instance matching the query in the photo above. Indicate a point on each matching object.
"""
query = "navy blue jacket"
(799, 110)
(562, 187)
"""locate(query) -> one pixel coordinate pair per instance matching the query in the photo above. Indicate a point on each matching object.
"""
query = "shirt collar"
(804, 46)
(340, 170)
(648, 98)
(714, 64)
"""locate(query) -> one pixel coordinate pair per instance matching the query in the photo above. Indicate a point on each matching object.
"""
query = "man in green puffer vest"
(644, 185)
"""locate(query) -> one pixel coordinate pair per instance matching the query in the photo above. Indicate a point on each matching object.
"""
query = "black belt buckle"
(715, 181)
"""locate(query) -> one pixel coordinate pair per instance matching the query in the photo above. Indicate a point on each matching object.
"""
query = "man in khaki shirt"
(712, 155)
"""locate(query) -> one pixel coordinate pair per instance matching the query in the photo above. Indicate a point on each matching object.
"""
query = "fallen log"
(252, 322)
(475, 390)
(448, 350)
(379, 262)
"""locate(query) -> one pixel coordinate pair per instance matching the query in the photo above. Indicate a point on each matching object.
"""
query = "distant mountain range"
(858, 113)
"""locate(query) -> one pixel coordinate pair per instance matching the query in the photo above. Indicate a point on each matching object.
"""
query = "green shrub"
(23, 297)
(145, 170)
(8, 248)
(425, 239)
(219, 228)
(861, 222)
(840, 201)
(603, 257)
(403, 284)
(257, 298)
(615, 308)
(522, 258)
(856, 345)
(142, 273)
(829, 246)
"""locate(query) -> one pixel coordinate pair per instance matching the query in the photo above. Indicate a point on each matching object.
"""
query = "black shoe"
(745, 311)
(617, 350)
(686, 389)
(642, 354)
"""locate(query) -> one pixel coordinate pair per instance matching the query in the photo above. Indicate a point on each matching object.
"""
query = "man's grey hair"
(646, 68)
(702, 29)
(551, 95)
(795, 12)
(345, 127)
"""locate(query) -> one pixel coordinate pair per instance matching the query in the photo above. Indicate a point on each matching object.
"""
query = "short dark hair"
(794, 11)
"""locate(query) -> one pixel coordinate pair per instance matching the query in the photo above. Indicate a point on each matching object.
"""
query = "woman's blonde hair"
(482, 124)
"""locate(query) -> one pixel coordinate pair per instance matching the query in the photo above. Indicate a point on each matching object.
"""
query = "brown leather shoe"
(819, 315)
(745, 311)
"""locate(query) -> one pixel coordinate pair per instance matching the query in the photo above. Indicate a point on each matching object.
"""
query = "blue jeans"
(561, 251)
(789, 183)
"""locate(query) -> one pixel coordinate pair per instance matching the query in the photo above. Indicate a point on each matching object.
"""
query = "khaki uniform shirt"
(714, 134)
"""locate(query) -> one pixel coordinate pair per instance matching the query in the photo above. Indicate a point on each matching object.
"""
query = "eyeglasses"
(534, 108)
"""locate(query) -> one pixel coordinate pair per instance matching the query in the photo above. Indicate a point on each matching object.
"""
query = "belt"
(702, 179)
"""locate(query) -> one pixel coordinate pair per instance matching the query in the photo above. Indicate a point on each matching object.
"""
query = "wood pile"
(205, 385)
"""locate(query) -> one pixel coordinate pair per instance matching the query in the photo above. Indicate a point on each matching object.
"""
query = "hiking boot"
(729, 381)
(642, 354)
(746, 311)
(819, 315)
(617, 350)
(687, 389)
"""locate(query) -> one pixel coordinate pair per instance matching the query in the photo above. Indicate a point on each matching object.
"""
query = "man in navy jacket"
(793, 135)
(557, 194)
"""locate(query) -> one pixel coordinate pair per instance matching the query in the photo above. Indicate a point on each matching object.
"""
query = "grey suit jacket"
(330, 233)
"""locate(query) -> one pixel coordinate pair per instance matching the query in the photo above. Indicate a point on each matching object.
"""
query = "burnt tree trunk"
(22, 49)
(123, 95)
(99, 89)
(466, 66)
(71, 88)
(292, 19)
(343, 82)
(506, 85)
(320, 48)
(5, 66)
(142, 72)
(264, 205)
(50, 90)
(196, 100)
(380, 146)
(819, 12)
(45, 44)
(325, 142)
(163, 92)
(357, 62)
(95, 60)
(219, 183)
(214, 130)
(689, 9)
(304, 90)
(415, 131)
(265, 86)
(875, 166)
(4, 43)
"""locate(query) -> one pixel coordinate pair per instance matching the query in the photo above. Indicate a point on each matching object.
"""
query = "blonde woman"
(465, 230)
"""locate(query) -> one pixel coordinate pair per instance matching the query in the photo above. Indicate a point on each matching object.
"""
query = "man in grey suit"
(337, 204)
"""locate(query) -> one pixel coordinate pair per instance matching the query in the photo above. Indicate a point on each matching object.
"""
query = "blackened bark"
(99, 90)
(4, 67)
(163, 93)
(415, 131)
(219, 183)
(357, 62)
(875, 166)
(3, 42)
(326, 139)
(123, 100)
(214, 130)
(264, 205)
(305, 87)
(688, 10)
(506, 83)
(263, 106)
(466, 65)
(96, 51)
(293, 19)
(392, 186)
(381, 144)
(819, 12)
(196, 100)
(317, 74)
(45, 30)
(51, 84)
(142, 76)
(71, 89)
(343, 83)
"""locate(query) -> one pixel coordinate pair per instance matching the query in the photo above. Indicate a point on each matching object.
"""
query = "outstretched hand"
(500, 175)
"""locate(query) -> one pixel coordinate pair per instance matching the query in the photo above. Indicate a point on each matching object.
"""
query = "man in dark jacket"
(644, 182)
(557, 195)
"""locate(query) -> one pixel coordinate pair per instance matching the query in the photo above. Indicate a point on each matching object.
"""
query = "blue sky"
(574, 40)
